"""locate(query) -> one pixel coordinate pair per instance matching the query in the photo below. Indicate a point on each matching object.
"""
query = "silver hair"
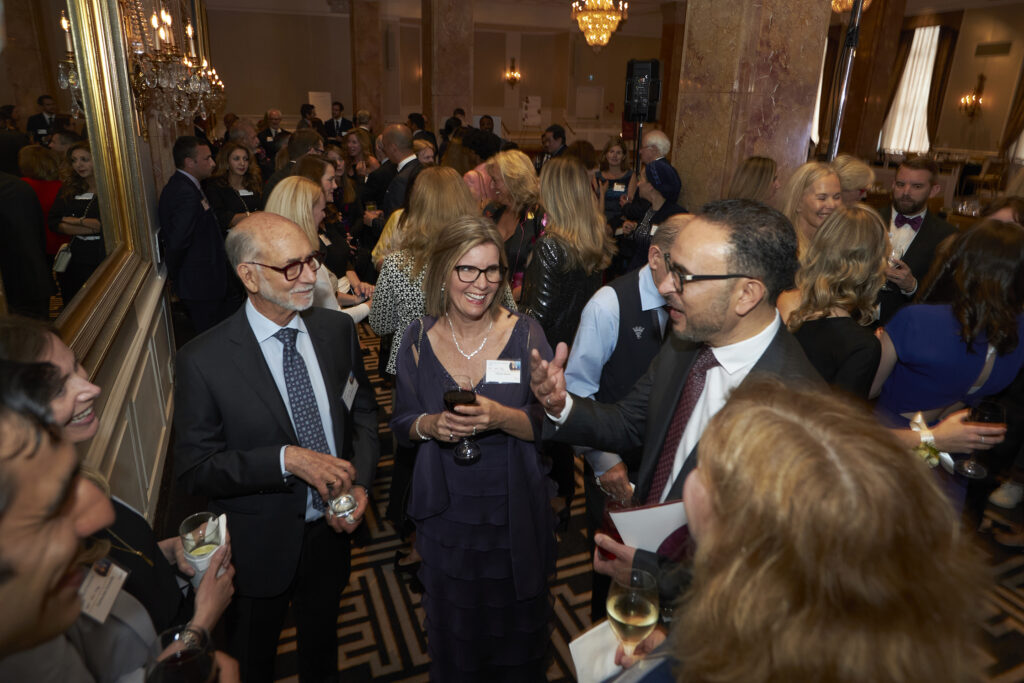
(659, 141)
(241, 246)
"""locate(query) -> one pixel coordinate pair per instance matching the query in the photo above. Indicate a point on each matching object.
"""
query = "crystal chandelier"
(167, 83)
(598, 19)
(840, 6)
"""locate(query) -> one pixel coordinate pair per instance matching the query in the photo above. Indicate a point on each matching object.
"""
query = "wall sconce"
(67, 70)
(512, 75)
(970, 104)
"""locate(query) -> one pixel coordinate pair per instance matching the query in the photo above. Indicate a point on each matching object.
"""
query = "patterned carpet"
(380, 635)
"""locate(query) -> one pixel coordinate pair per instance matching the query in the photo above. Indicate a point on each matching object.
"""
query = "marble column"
(749, 75)
(867, 97)
(367, 60)
(673, 31)
(447, 41)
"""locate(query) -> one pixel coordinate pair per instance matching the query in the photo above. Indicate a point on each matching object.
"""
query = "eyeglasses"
(293, 269)
(469, 274)
(680, 277)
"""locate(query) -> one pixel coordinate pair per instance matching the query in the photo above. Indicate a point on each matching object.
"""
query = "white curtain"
(906, 127)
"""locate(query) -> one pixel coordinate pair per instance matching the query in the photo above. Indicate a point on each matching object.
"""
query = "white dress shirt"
(901, 237)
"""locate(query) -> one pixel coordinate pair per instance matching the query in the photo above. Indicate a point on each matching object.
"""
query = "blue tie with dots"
(309, 428)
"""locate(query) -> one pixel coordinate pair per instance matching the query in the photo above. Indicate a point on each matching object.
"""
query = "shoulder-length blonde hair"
(799, 184)
(454, 242)
(853, 173)
(831, 554)
(574, 217)
(843, 267)
(438, 198)
(294, 198)
(519, 176)
(754, 179)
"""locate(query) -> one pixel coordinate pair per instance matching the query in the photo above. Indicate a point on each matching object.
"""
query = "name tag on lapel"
(351, 386)
(504, 372)
(245, 193)
(206, 204)
(100, 588)
(84, 195)
(619, 187)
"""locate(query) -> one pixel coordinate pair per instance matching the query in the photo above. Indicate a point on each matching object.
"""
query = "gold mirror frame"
(89, 324)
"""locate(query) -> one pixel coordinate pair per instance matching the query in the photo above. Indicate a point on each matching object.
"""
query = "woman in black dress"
(514, 210)
(235, 189)
(838, 284)
(76, 212)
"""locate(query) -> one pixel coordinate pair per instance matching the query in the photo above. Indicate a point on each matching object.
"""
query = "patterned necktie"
(309, 428)
(914, 222)
(691, 392)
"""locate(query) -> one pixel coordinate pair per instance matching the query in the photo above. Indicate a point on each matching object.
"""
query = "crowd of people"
(799, 368)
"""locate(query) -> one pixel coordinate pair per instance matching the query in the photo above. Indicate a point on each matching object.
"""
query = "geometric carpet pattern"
(380, 634)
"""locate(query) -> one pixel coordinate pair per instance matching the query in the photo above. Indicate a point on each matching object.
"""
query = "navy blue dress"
(485, 531)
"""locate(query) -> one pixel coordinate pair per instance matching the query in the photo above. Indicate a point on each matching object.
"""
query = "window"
(906, 126)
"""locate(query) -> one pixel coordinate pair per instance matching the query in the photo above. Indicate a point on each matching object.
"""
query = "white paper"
(593, 653)
(647, 527)
(100, 588)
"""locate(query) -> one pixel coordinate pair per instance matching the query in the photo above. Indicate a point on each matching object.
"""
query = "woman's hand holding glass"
(955, 434)
(645, 647)
(476, 418)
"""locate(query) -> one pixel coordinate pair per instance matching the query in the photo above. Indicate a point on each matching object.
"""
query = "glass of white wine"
(633, 608)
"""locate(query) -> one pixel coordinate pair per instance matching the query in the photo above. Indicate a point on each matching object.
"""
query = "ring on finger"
(451, 436)
(474, 430)
(983, 439)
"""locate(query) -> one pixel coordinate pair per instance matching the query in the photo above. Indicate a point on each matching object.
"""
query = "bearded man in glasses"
(726, 269)
(274, 417)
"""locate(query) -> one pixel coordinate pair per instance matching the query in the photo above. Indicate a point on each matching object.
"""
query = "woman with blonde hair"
(855, 177)
(516, 189)
(810, 196)
(425, 152)
(757, 178)
(565, 268)
(484, 529)
(302, 201)
(812, 525)
(838, 283)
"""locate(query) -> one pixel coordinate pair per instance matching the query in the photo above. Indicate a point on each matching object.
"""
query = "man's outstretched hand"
(547, 379)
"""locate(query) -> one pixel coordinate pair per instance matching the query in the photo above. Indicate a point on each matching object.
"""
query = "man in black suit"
(24, 268)
(40, 126)
(269, 135)
(418, 125)
(397, 142)
(275, 415)
(914, 232)
(302, 142)
(336, 126)
(726, 268)
(191, 238)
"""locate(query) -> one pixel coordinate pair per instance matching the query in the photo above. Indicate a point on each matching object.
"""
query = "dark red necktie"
(684, 409)
(914, 222)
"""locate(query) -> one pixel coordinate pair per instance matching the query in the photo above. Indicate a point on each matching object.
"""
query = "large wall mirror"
(130, 69)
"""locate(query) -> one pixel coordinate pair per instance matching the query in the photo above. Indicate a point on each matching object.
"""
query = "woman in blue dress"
(485, 530)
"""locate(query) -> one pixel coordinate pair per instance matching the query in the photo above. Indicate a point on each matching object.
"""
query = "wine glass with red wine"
(460, 392)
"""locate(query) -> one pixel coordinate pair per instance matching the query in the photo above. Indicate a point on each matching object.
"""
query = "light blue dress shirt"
(273, 353)
(595, 341)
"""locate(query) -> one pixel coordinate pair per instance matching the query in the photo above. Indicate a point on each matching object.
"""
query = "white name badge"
(100, 588)
(351, 386)
(504, 371)
(245, 193)
(41, 131)
(619, 187)
(206, 204)
(270, 138)
(84, 195)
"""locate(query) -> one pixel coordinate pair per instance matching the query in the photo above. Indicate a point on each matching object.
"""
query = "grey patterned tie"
(309, 428)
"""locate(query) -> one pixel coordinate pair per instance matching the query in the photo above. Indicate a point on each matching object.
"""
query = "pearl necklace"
(468, 356)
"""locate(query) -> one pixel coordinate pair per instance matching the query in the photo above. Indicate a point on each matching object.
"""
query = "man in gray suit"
(727, 267)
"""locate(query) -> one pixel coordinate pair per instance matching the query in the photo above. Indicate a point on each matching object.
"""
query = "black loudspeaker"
(643, 90)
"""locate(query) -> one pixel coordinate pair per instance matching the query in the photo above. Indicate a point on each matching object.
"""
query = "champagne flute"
(633, 608)
(987, 412)
(460, 392)
(181, 654)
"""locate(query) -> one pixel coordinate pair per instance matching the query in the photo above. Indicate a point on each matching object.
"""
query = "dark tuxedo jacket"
(918, 257)
(642, 418)
(192, 241)
(24, 267)
(377, 182)
(268, 141)
(394, 198)
(36, 123)
(231, 422)
(334, 130)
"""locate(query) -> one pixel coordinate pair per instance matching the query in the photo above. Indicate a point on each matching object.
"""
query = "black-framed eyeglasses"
(293, 269)
(470, 274)
(680, 277)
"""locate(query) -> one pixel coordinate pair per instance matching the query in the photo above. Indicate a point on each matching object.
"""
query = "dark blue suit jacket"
(192, 241)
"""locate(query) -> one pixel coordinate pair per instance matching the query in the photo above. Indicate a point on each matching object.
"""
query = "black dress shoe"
(409, 568)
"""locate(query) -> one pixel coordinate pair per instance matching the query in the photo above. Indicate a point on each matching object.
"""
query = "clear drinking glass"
(988, 412)
(201, 534)
(182, 654)
(460, 392)
(633, 608)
